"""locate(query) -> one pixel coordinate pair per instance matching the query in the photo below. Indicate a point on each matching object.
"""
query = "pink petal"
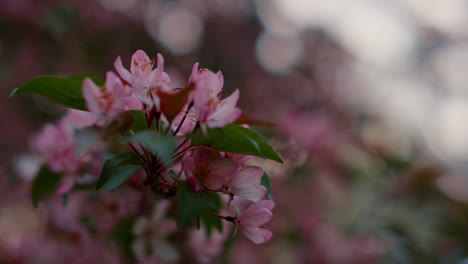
(194, 76)
(213, 82)
(117, 94)
(246, 176)
(226, 111)
(224, 166)
(255, 217)
(268, 204)
(158, 79)
(66, 184)
(207, 85)
(246, 183)
(116, 89)
(229, 102)
(240, 158)
(222, 119)
(221, 170)
(91, 93)
(78, 119)
(188, 165)
(160, 62)
(220, 76)
(256, 234)
(205, 155)
(124, 73)
(141, 63)
(143, 95)
(252, 193)
(133, 103)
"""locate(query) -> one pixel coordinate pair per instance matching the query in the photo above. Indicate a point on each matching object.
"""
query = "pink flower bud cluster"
(176, 112)
(140, 87)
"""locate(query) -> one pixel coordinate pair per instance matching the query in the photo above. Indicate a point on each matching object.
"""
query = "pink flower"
(251, 221)
(110, 101)
(246, 183)
(210, 109)
(144, 80)
(56, 145)
(315, 132)
(78, 119)
(208, 167)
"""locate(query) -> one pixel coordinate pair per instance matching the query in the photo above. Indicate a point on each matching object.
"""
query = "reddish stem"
(183, 119)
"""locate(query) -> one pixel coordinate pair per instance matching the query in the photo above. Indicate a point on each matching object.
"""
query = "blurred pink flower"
(150, 245)
(251, 221)
(78, 119)
(314, 132)
(144, 80)
(204, 249)
(56, 145)
(210, 109)
(334, 248)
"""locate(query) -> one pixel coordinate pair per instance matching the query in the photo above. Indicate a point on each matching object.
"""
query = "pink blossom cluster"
(57, 146)
(175, 112)
(142, 86)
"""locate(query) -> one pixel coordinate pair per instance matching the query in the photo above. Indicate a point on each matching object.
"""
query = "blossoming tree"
(186, 145)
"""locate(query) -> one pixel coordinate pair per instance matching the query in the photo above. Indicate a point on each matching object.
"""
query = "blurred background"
(369, 97)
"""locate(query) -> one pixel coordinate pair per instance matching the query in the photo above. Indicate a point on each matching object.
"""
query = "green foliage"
(192, 205)
(265, 182)
(236, 139)
(65, 91)
(160, 144)
(121, 175)
(139, 121)
(45, 183)
(123, 237)
(116, 171)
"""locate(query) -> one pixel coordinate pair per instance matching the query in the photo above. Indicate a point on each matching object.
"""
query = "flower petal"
(255, 217)
(124, 73)
(91, 93)
(256, 234)
(246, 183)
(220, 171)
(226, 111)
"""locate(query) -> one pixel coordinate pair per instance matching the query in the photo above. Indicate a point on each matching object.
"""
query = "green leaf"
(211, 221)
(116, 171)
(65, 91)
(123, 236)
(236, 139)
(265, 182)
(121, 175)
(139, 121)
(192, 205)
(45, 183)
(80, 77)
(160, 144)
